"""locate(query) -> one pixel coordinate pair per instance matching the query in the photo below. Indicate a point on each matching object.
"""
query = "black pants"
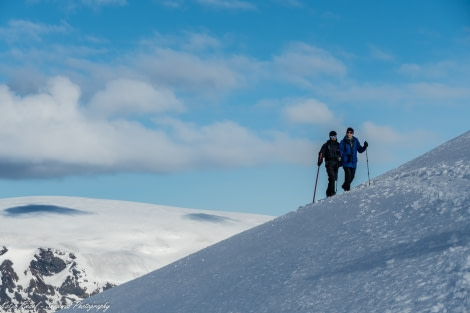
(332, 172)
(349, 173)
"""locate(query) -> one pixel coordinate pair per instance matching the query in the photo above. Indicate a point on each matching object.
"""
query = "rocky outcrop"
(3, 250)
(53, 280)
(9, 277)
(46, 264)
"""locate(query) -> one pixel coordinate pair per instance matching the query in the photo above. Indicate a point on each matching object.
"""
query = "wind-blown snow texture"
(401, 244)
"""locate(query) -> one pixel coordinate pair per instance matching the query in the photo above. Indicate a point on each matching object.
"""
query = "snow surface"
(401, 244)
(115, 241)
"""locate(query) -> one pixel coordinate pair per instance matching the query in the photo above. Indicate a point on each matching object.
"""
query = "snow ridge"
(401, 244)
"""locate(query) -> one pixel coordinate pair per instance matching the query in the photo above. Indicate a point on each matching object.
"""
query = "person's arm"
(341, 148)
(321, 155)
(360, 148)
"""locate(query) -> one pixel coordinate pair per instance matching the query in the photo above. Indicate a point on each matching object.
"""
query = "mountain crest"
(399, 245)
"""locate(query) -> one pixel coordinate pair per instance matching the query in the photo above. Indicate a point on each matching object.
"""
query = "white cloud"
(24, 30)
(409, 94)
(48, 134)
(437, 92)
(387, 144)
(290, 3)
(228, 144)
(378, 133)
(104, 2)
(228, 4)
(200, 42)
(308, 111)
(301, 62)
(436, 70)
(188, 71)
(192, 63)
(125, 96)
(175, 4)
(72, 4)
(380, 54)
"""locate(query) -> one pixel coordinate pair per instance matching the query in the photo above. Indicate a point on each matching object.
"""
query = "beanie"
(350, 130)
(332, 133)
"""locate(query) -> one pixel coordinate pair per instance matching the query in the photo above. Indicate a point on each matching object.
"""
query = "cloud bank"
(49, 134)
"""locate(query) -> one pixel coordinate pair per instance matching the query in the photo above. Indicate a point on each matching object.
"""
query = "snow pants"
(349, 174)
(332, 172)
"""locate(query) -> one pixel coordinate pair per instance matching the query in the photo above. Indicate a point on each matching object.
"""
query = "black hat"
(350, 130)
(332, 133)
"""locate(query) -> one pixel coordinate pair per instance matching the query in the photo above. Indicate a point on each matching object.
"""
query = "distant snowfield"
(115, 240)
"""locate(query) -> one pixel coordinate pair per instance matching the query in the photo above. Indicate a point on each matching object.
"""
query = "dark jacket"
(330, 152)
(349, 149)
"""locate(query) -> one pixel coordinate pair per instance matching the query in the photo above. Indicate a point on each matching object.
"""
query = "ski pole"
(367, 158)
(316, 181)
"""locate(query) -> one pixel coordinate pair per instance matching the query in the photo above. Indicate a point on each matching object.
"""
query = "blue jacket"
(349, 149)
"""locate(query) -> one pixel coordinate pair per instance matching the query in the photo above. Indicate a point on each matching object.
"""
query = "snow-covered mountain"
(59, 250)
(401, 244)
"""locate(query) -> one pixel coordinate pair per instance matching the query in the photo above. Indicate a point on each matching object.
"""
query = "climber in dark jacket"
(330, 152)
(349, 147)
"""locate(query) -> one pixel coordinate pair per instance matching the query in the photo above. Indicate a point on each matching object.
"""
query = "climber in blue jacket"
(349, 147)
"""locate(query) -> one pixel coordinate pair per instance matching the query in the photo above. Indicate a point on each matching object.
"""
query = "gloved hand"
(320, 162)
(366, 144)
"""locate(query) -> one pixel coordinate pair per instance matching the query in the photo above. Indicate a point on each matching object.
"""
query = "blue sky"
(222, 105)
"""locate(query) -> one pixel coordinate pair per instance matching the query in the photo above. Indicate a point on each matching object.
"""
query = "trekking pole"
(316, 181)
(336, 178)
(367, 158)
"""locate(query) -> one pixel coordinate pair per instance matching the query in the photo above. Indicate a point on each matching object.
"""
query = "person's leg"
(331, 182)
(347, 178)
(353, 174)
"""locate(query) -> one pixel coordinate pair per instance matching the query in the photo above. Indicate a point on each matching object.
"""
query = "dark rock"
(3, 250)
(71, 287)
(9, 276)
(38, 286)
(46, 263)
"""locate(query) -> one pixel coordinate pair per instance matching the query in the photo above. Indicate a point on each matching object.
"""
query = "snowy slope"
(401, 244)
(56, 249)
